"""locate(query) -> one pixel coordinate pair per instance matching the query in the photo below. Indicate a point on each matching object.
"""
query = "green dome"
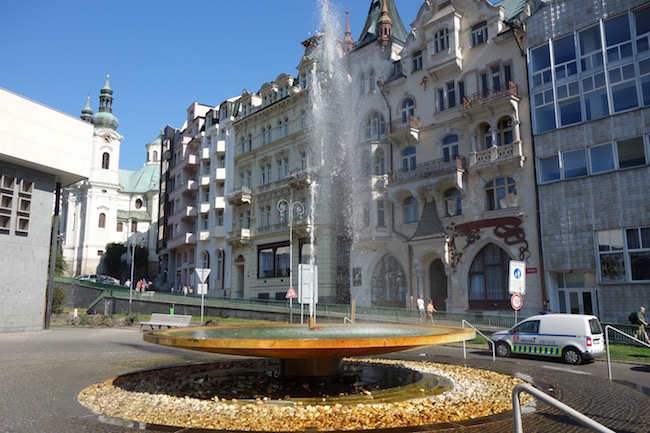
(104, 119)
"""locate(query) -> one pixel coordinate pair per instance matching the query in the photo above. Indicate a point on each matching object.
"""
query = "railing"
(607, 329)
(572, 413)
(465, 322)
(496, 153)
(480, 98)
(400, 125)
(427, 168)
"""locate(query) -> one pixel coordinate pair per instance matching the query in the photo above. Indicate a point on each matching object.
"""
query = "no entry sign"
(516, 302)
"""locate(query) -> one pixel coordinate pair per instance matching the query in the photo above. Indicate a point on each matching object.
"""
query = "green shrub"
(108, 321)
(97, 320)
(58, 298)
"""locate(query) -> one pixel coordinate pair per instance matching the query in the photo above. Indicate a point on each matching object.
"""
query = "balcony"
(204, 207)
(189, 212)
(190, 187)
(218, 232)
(446, 62)
(240, 196)
(220, 147)
(205, 180)
(219, 202)
(497, 158)
(219, 174)
(181, 240)
(404, 131)
(204, 235)
(205, 153)
(300, 178)
(440, 171)
(491, 100)
(302, 226)
(239, 237)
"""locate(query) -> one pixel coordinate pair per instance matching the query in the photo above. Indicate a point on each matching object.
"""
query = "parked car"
(106, 279)
(573, 337)
(88, 277)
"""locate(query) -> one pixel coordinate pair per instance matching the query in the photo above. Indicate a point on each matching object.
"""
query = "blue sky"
(161, 55)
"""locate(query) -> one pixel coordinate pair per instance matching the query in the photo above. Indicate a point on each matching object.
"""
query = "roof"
(430, 225)
(145, 179)
(370, 30)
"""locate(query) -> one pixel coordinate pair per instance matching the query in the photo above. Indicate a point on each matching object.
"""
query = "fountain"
(306, 379)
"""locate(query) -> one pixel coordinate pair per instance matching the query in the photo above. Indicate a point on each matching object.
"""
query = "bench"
(169, 320)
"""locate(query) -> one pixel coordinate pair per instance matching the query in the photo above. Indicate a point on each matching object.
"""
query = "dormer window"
(417, 60)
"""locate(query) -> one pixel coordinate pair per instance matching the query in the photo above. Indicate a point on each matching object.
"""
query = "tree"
(61, 265)
(113, 261)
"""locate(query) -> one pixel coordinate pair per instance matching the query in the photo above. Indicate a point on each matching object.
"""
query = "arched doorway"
(488, 280)
(389, 286)
(438, 279)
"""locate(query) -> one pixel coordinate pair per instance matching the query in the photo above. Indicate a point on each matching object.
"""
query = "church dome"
(105, 119)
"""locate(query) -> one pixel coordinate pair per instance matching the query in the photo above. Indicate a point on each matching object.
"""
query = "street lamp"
(133, 245)
(292, 207)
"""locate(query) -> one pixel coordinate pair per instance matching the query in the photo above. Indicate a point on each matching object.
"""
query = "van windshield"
(594, 326)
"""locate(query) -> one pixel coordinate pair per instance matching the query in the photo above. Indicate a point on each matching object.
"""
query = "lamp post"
(292, 207)
(133, 245)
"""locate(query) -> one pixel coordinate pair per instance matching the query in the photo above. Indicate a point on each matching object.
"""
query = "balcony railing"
(239, 236)
(240, 195)
(481, 98)
(497, 155)
(400, 125)
(427, 169)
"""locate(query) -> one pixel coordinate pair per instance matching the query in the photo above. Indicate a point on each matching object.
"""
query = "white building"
(113, 205)
(41, 150)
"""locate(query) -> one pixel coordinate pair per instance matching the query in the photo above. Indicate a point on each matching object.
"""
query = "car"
(574, 338)
(106, 279)
(88, 277)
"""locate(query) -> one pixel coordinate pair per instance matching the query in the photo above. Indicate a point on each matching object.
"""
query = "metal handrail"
(609, 363)
(494, 358)
(572, 413)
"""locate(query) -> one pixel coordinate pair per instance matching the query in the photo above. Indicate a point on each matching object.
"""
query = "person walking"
(640, 320)
(430, 310)
(421, 307)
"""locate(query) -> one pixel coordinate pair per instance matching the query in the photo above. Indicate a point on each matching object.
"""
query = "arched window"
(486, 135)
(479, 33)
(362, 84)
(219, 265)
(505, 131)
(488, 279)
(303, 119)
(105, 160)
(501, 193)
(263, 136)
(243, 146)
(409, 161)
(286, 127)
(408, 110)
(155, 156)
(411, 210)
(250, 142)
(449, 147)
(268, 134)
(380, 162)
(389, 285)
(371, 81)
(453, 202)
(102, 220)
(138, 203)
(279, 129)
(206, 260)
(120, 227)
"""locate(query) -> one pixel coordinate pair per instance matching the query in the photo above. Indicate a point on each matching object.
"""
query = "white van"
(574, 337)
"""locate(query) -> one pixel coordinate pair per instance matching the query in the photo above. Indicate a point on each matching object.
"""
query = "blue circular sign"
(517, 273)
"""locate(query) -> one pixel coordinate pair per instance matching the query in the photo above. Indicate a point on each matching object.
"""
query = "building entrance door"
(578, 301)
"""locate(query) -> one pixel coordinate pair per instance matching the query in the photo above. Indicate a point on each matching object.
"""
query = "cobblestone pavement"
(42, 372)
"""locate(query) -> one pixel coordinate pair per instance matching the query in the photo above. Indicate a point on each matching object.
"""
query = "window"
(242, 146)
(120, 227)
(283, 167)
(138, 203)
(250, 142)
(642, 19)
(286, 127)
(134, 226)
(495, 76)
(411, 212)
(375, 126)
(441, 99)
(479, 33)
(381, 219)
(591, 55)
(451, 95)
(595, 96)
(380, 162)
(488, 277)
(362, 84)
(617, 38)
(417, 60)
(409, 159)
(506, 135)
(105, 160)
(568, 96)
(408, 110)
(449, 147)
(279, 130)
(273, 260)
(630, 152)
(544, 111)
(623, 82)
(574, 163)
(549, 169)
(453, 202)
(365, 217)
(441, 40)
(541, 65)
(611, 256)
(371, 81)
(486, 136)
(564, 54)
(601, 158)
(219, 266)
(644, 72)
(102, 220)
(638, 245)
(263, 136)
(265, 175)
(268, 134)
(501, 193)
(265, 216)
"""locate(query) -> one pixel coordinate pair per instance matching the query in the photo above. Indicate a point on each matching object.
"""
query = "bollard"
(171, 311)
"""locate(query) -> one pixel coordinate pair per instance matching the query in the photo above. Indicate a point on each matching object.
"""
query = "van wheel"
(571, 356)
(503, 350)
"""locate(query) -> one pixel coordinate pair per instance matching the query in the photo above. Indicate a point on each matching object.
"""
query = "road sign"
(202, 289)
(291, 294)
(517, 278)
(202, 273)
(516, 302)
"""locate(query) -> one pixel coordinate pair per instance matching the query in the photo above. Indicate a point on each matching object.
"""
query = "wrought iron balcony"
(487, 97)
(428, 170)
(404, 131)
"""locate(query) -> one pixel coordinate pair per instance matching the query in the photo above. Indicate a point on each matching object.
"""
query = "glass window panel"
(541, 58)
(645, 237)
(596, 105)
(612, 268)
(602, 158)
(570, 112)
(640, 266)
(550, 168)
(617, 30)
(564, 49)
(603, 241)
(590, 40)
(624, 96)
(545, 118)
(631, 152)
(616, 239)
(575, 164)
(642, 18)
(632, 239)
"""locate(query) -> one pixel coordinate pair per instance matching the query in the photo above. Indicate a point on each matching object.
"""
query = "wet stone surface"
(248, 395)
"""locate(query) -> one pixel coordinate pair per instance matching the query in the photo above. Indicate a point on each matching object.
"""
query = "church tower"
(106, 140)
(385, 26)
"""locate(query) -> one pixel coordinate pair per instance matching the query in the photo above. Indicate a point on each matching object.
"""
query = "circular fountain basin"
(305, 351)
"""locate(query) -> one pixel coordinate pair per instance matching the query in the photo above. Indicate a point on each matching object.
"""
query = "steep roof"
(430, 224)
(370, 30)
